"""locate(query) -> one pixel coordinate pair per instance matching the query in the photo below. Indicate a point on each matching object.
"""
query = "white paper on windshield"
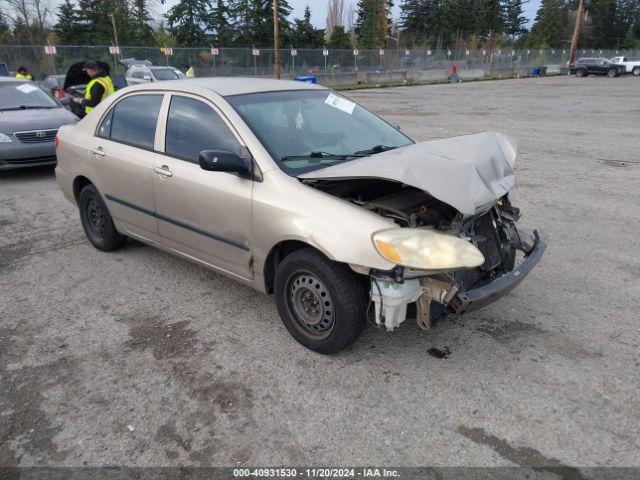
(340, 103)
(26, 88)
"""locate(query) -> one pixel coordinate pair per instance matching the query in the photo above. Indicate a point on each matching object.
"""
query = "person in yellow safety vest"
(189, 71)
(99, 87)
(23, 74)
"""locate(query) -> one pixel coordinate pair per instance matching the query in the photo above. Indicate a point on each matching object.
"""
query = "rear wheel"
(612, 72)
(581, 72)
(636, 71)
(97, 222)
(322, 303)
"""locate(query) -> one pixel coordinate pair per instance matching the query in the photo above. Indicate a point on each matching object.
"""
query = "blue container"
(306, 78)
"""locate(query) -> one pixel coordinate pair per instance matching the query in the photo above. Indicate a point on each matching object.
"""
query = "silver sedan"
(29, 121)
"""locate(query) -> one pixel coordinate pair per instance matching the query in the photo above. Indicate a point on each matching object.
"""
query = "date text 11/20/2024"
(316, 472)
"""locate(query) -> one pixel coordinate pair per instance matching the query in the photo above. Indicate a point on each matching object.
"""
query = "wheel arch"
(78, 184)
(277, 253)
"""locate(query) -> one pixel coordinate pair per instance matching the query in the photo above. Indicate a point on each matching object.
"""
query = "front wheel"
(97, 222)
(636, 71)
(612, 72)
(581, 72)
(322, 303)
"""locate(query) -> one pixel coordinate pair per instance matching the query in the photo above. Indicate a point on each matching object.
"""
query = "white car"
(631, 66)
(145, 74)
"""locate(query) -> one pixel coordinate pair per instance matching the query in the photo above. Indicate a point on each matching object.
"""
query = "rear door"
(123, 158)
(203, 215)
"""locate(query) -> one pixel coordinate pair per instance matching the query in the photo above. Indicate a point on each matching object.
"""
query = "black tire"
(581, 73)
(636, 71)
(96, 221)
(336, 298)
(612, 72)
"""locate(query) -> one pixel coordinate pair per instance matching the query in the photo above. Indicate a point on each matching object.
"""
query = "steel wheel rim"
(310, 304)
(95, 218)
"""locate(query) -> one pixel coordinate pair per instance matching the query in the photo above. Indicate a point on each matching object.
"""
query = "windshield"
(305, 130)
(167, 73)
(23, 95)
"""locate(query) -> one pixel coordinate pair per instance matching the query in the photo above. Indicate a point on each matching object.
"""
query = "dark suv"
(598, 66)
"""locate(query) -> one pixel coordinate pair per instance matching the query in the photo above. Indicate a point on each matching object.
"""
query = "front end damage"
(509, 253)
(456, 188)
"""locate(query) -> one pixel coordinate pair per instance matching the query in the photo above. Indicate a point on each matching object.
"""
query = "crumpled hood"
(469, 172)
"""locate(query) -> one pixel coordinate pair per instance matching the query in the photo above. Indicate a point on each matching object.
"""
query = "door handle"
(164, 170)
(98, 152)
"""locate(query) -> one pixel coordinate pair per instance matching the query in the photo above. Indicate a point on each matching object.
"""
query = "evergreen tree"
(339, 38)
(141, 31)
(5, 31)
(89, 14)
(304, 34)
(253, 22)
(188, 20)
(220, 24)
(602, 23)
(372, 24)
(413, 21)
(68, 29)
(515, 20)
(492, 20)
(551, 27)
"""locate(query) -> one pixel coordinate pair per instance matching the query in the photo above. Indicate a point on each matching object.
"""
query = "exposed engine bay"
(493, 231)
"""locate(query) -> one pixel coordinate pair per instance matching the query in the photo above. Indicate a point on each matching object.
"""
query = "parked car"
(630, 66)
(29, 120)
(597, 66)
(295, 190)
(145, 74)
(54, 84)
(74, 85)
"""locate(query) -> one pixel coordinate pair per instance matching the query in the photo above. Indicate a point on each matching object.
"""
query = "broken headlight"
(426, 249)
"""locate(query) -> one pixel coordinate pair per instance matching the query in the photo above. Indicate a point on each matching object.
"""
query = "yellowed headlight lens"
(426, 249)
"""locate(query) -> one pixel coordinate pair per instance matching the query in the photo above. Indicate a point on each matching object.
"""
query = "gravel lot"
(205, 372)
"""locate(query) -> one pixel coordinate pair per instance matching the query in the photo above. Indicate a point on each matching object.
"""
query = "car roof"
(227, 86)
(13, 79)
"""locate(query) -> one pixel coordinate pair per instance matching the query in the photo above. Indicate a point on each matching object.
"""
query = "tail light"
(56, 142)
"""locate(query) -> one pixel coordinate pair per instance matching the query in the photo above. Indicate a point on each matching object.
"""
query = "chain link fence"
(330, 66)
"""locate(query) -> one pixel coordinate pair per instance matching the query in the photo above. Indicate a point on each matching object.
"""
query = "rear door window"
(193, 126)
(134, 120)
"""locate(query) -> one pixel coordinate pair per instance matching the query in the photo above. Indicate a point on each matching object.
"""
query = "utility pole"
(576, 32)
(276, 38)
(115, 37)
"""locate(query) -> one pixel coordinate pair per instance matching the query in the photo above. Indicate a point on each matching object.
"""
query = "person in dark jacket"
(99, 87)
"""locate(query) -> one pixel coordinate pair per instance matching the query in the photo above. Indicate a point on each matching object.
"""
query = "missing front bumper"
(479, 297)
(391, 298)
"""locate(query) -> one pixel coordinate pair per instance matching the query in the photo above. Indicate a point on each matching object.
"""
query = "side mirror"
(225, 161)
(396, 126)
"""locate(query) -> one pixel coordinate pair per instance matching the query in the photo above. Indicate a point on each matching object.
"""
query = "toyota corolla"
(295, 190)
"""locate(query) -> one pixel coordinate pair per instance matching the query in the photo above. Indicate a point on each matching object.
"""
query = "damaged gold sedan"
(297, 191)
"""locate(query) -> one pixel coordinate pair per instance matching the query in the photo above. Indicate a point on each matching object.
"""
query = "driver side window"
(193, 126)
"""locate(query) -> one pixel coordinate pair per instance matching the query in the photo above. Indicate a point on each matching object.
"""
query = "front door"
(123, 157)
(203, 215)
